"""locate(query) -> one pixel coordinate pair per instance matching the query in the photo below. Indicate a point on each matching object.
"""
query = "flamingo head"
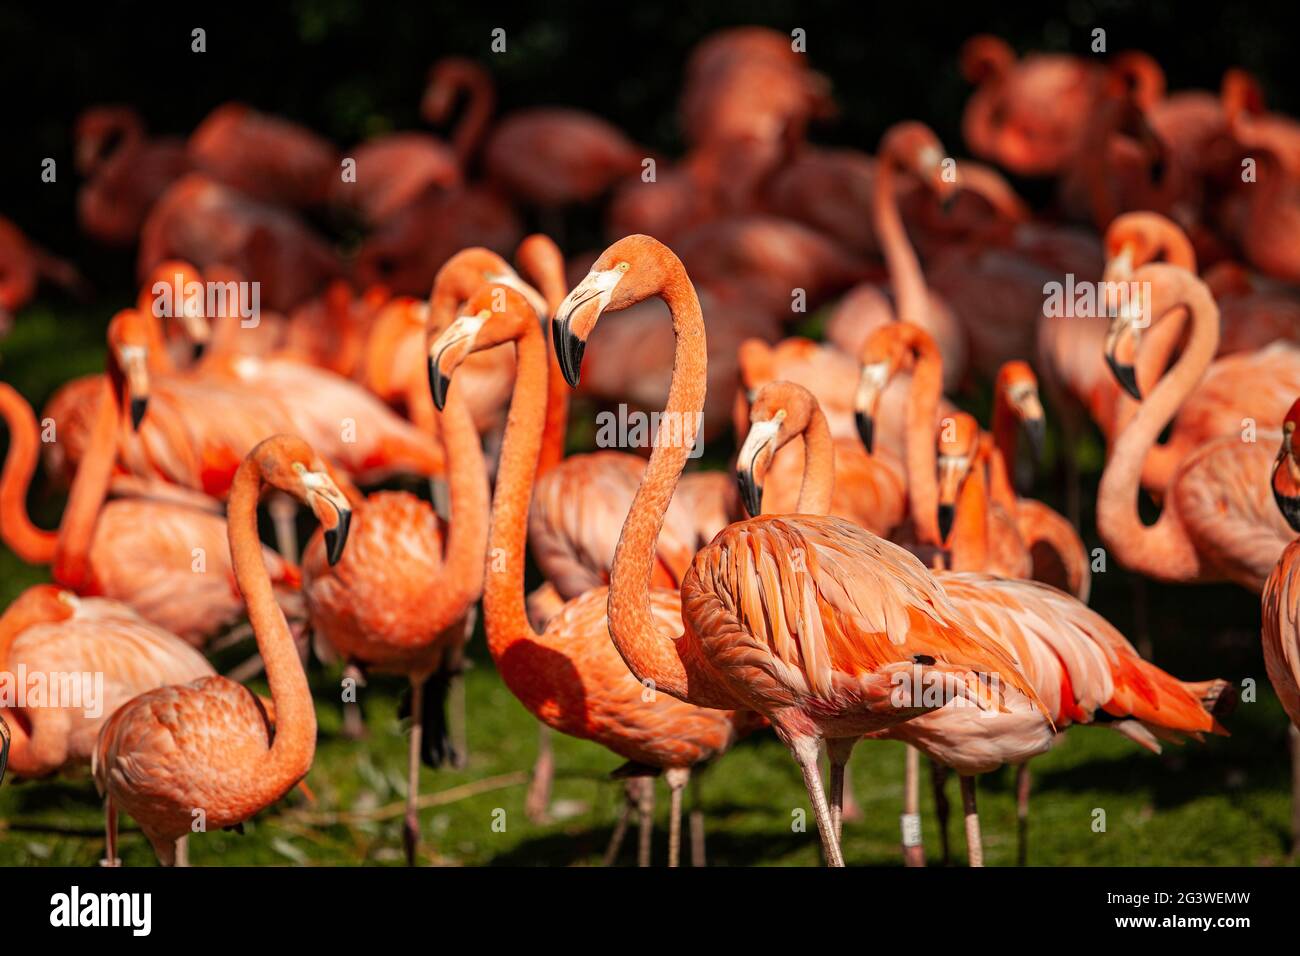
(630, 271)
(175, 289)
(129, 339)
(1286, 470)
(289, 463)
(882, 355)
(957, 444)
(1122, 342)
(779, 411)
(1017, 387)
(495, 314)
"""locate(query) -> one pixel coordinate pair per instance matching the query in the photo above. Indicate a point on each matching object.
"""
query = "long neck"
(549, 279)
(478, 111)
(468, 485)
(32, 544)
(922, 406)
(1002, 457)
(969, 543)
(910, 302)
(294, 746)
(818, 484)
(631, 624)
(504, 614)
(89, 488)
(1162, 550)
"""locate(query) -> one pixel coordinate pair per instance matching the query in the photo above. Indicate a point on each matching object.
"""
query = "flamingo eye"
(623, 266)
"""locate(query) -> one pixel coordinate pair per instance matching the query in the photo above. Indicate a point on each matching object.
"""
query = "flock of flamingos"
(868, 568)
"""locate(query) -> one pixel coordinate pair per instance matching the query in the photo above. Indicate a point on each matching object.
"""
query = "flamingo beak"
(448, 350)
(1036, 434)
(1288, 504)
(577, 315)
(952, 473)
(1122, 327)
(331, 508)
(1029, 408)
(133, 360)
(756, 452)
(871, 383)
(946, 515)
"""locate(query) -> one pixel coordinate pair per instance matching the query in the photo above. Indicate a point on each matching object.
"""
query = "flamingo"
(1216, 522)
(125, 172)
(396, 603)
(206, 745)
(834, 680)
(394, 171)
(1075, 660)
(23, 265)
(208, 223)
(167, 560)
(905, 148)
(265, 157)
(1281, 632)
(569, 676)
(1027, 115)
(48, 630)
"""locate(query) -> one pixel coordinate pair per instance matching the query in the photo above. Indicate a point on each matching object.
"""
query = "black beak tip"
(336, 538)
(946, 515)
(1036, 432)
(751, 493)
(196, 352)
(866, 430)
(138, 408)
(568, 350)
(4, 748)
(1126, 375)
(438, 384)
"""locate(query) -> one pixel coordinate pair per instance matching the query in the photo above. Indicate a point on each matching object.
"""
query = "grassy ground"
(1225, 802)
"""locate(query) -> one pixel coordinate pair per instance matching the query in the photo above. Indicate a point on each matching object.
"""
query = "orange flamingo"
(125, 172)
(167, 560)
(266, 157)
(394, 171)
(396, 603)
(207, 223)
(1281, 633)
(1075, 660)
(569, 676)
(1217, 522)
(48, 631)
(207, 745)
(905, 148)
(816, 669)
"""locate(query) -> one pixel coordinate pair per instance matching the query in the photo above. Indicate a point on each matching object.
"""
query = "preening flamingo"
(125, 171)
(396, 603)
(1281, 606)
(1217, 522)
(48, 631)
(817, 669)
(207, 745)
(569, 676)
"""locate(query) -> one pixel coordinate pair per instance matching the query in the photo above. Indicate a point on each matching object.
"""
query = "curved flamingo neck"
(505, 616)
(818, 484)
(631, 623)
(32, 544)
(89, 489)
(905, 277)
(481, 100)
(1162, 550)
(969, 541)
(919, 450)
(291, 753)
(543, 265)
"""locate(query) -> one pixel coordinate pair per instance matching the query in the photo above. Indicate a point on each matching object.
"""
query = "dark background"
(352, 69)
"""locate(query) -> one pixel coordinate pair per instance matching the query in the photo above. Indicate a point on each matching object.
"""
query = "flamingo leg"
(677, 778)
(181, 855)
(938, 779)
(974, 844)
(1295, 791)
(455, 663)
(646, 821)
(838, 752)
(354, 723)
(411, 826)
(1022, 814)
(851, 812)
(804, 750)
(620, 825)
(4, 747)
(110, 834)
(537, 801)
(913, 849)
(284, 516)
(697, 823)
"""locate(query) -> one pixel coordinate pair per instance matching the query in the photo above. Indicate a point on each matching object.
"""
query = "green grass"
(1226, 802)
